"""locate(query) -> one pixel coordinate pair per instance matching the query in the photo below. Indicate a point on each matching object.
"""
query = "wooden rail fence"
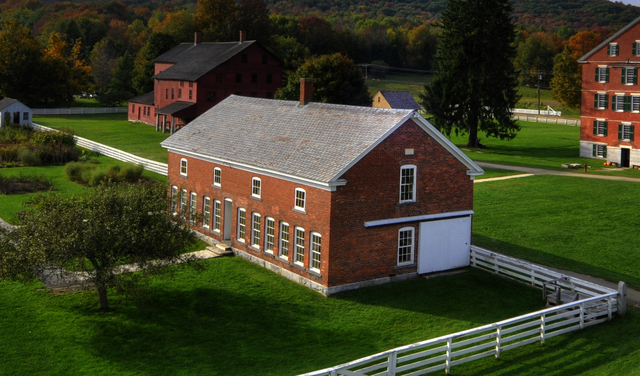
(597, 304)
(542, 119)
(80, 111)
(157, 167)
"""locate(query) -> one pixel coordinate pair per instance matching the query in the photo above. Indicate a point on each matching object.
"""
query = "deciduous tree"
(475, 86)
(109, 226)
(143, 71)
(215, 18)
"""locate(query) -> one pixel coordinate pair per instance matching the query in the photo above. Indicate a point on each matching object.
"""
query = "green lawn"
(530, 96)
(414, 84)
(236, 318)
(113, 130)
(10, 205)
(496, 173)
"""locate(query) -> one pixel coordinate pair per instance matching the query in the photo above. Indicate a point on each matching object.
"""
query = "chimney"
(241, 36)
(197, 38)
(306, 90)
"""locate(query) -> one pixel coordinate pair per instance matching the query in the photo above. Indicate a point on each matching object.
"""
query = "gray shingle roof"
(400, 99)
(192, 61)
(147, 98)
(317, 141)
(6, 102)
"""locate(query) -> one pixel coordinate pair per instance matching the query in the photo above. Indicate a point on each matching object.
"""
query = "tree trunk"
(102, 293)
(473, 129)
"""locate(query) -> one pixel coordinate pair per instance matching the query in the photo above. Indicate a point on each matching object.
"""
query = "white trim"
(327, 186)
(219, 204)
(311, 251)
(186, 165)
(304, 200)
(259, 186)
(253, 242)
(414, 185)
(285, 257)
(214, 177)
(295, 245)
(417, 218)
(238, 238)
(266, 234)
(413, 246)
(206, 218)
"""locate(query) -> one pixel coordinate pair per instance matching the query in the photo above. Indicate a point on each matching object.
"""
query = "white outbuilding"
(18, 112)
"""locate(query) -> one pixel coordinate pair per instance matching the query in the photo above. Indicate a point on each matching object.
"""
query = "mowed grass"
(585, 225)
(530, 95)
(236, 318)
(113, 130)
(11, 205)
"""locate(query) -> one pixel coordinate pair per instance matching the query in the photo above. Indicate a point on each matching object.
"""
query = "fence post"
(542, 327)
(447, 362)
(392, 363)
(609, 304)
(533, 278)
(581, 315)
(622, 299)
(498, 338)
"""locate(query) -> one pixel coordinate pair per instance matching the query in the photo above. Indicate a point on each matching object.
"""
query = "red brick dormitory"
(334, 197)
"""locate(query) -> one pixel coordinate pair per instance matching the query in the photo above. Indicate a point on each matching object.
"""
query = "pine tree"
(475, 86)
(121, 86)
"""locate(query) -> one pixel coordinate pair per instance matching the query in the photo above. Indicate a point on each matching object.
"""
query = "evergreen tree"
(475, 86)
(121, 86)
(157, 44)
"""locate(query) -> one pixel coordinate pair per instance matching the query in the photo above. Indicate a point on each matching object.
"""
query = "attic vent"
(408, 151)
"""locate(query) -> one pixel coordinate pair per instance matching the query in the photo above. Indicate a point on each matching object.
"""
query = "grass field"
(113, 130)
(236, 318)
(10, 205)
(530, 95)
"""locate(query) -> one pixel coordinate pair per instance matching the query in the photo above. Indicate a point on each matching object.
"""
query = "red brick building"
(334, 197)
(610, 107)
(193, 77)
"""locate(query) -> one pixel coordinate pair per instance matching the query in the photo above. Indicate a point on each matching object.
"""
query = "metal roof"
(191, 61)
(400, 99)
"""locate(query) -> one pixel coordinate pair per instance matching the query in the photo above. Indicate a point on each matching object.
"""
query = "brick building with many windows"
(610, 107)
(331, 196)
(193, 77)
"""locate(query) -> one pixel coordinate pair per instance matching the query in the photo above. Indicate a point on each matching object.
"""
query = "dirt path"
(541, 171)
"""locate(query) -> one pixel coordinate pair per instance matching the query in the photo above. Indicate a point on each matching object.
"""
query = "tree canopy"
(111, 225)
(475, 86)
(335, 80)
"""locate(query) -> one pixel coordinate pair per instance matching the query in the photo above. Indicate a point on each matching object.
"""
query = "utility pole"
(366, 73)
(539, 79)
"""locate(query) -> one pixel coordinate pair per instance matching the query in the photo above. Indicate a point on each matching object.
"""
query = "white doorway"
(444, 244)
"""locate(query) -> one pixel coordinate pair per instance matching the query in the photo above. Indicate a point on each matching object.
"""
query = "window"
(166, 94)
(635, 104)
(172, 93)
(242, 224)
(612, 49)
(181, 83)
(256, 187)
(190, 84)
(599, 128)
(206, 212)
(602, 74)
(133, 108)
(217, 217)
(270, 234)
(405, 246)
(284, 240)
(315, 251)
(301, 197)
(601, 101)
(407, 183)
(264, 59)
(255, 230)
(217, 177)
(299, 251)
(192, 208)
(174, 200)
(238, 78)
(190, 94)
(25, 116)
(144, 110)
(635, 50)
(179, 93)
(211, 96)
(254, 78)
(629, 76)
(269, 95)
(183, 202)
(625, 132)
(599, 151)
(183, 167)
(617, 102)
(269, 78)
(245, 58)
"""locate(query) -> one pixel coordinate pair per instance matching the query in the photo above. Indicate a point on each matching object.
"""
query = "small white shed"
(19, 113)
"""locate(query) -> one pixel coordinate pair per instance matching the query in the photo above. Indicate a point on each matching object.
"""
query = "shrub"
(97, 177)
(132, 174)
(28, 157)
(73, 170)
(9, 153)
(113, 172)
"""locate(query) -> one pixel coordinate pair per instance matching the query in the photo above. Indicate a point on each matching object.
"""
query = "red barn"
(331, 196)
(193, 77)
(610, 107)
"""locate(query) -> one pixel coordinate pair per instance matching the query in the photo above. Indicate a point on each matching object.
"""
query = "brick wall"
(372, 193)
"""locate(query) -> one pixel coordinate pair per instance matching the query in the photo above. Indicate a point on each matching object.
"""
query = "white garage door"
(444, 244)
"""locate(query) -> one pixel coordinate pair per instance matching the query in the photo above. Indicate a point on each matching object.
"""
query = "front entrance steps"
(221, 249)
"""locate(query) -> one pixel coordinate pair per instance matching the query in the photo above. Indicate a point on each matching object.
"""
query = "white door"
(444, 244)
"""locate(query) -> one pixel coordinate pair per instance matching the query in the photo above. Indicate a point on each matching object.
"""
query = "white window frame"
(635, 103)
(412, 185)
(600, 148)
(405, 249)
(601, 99)
(256, 222)
(614, 49)
(256, 187)
(206, 212)
(193, 207)
(174, 200)
(183, 167)
(217, 215)
(285, 240)
(602, 74)
(298, 253)
(300, 199)
(242, 224)
(183, 203)
(269, 234)
(600, 124)
(618, 103)
(626, 131)
(217, 177)
(315, 251)
(629, 76)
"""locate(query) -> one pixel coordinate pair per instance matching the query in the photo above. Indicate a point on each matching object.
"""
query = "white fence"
(540, 119)
(80, 111)
(157, 167)
(548, 112)
(596, 305)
